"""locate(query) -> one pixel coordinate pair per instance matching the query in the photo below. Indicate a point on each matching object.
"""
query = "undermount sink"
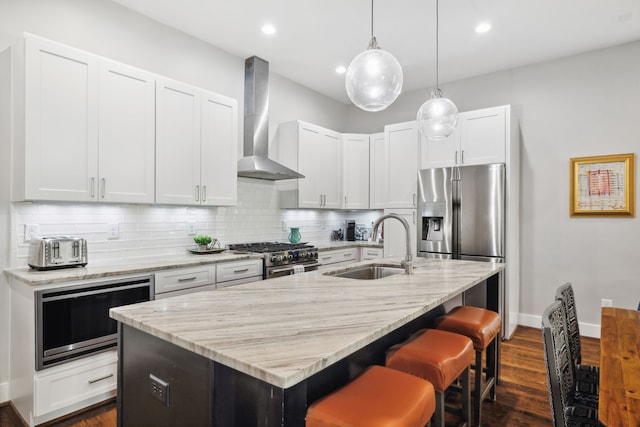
(369, 272)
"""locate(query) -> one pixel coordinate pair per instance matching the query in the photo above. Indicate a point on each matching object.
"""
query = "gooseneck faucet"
(407, 263)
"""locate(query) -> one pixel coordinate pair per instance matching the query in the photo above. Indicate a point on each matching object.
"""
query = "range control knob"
(290, 257)
(279, 258)
(273, 258)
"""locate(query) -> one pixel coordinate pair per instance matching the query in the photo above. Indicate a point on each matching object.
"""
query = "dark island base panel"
(206, 393)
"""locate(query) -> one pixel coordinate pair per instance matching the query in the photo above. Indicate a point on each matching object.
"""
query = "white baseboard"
(4, 392)
(586, 329)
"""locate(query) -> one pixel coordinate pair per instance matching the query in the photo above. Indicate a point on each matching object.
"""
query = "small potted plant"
(203, 242)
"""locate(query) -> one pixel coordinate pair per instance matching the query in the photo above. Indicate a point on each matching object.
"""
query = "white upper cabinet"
(97, 130)
(402, 149)
(196, 140)
(316, 153)
(126, 134)
(378, 172)
(480, 138)
(355, 171)
(483, 136)
(61, 122)
(178, 114)
(218, 150)
(89, 127)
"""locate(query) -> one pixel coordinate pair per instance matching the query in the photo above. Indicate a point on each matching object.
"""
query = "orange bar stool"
(439, 357)
(483, 328)
(379, 397)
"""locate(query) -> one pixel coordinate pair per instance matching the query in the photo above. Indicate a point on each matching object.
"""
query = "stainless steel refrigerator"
(461, 212)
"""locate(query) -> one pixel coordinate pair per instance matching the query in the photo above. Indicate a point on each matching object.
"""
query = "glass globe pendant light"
(373, 79)
(438, 117)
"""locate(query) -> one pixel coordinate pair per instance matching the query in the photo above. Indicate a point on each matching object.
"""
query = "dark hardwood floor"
(523, 399)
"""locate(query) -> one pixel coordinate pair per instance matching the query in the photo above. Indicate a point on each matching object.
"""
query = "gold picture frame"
(602, 185)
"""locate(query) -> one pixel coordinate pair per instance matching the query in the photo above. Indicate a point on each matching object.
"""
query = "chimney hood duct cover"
(256, 163)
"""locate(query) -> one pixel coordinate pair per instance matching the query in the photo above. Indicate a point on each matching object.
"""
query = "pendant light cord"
(437, 62)
(371, 18)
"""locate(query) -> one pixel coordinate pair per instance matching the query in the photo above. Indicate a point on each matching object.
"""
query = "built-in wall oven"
(73, 321)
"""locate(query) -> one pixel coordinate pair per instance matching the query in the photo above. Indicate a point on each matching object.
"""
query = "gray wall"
(584, 105)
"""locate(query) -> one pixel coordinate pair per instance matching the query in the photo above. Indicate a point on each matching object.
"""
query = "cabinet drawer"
(185, 278)
(342, 255)
(372, 253)
(238, 270)
(65, 387)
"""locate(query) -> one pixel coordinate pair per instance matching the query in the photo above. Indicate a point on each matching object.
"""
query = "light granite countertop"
(34, 277)
(284, 330)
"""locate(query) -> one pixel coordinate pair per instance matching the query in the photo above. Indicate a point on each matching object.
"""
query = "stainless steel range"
(282, 259)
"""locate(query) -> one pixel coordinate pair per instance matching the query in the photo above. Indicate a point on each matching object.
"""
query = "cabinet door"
(402, 154)
(126, 138)
(177, 143)
(355, 160)
(440, 153)
(379, 172)
(395, 235)
(483, 136)
(310, 157)
(61, 128)
(331, 170)
(218, 161)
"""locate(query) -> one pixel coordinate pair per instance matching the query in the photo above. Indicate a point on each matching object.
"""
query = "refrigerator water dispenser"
(432, 228)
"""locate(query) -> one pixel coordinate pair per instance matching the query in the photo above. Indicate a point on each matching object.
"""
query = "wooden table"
(619, 402)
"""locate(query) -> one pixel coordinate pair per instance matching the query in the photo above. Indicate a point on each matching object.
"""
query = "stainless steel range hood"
(256, 163)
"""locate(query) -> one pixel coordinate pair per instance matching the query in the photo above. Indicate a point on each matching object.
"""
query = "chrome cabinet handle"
(204, 193)
(242, 270)
(197, 193)
(347, 255)
(186, 279)
(100, 379)
(321, 200)
(462, 157)
(455, 161)
(103, 189)
(414, 199)
(414, 217)
(93, 187)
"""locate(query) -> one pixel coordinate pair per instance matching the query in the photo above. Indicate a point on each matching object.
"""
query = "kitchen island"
(258, 354)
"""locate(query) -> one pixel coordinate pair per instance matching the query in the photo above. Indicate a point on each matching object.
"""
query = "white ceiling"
(313, 37)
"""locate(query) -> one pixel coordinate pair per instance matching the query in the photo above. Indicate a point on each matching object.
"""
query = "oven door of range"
(286, 270)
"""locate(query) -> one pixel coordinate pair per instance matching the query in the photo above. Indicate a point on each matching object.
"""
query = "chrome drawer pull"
(100, 379)
(186, 279)
(241, 270)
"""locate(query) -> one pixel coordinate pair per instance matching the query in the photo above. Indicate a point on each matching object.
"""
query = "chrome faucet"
(407, 263)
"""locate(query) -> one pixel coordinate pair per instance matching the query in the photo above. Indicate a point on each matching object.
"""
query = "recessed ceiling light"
(483, 27)
(341, 69)
(268, 29)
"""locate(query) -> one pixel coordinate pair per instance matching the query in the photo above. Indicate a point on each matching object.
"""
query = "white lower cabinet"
(236, 273)
(335, 258)
(76, 384)
(179, 281)
(371, 253)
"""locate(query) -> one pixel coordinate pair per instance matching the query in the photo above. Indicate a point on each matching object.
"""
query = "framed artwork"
(602, 185)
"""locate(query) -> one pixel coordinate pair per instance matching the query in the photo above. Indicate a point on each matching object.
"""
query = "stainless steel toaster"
(47, 253)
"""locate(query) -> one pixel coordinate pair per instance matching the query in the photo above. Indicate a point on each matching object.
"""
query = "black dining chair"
(572, 403)
(584, 373)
